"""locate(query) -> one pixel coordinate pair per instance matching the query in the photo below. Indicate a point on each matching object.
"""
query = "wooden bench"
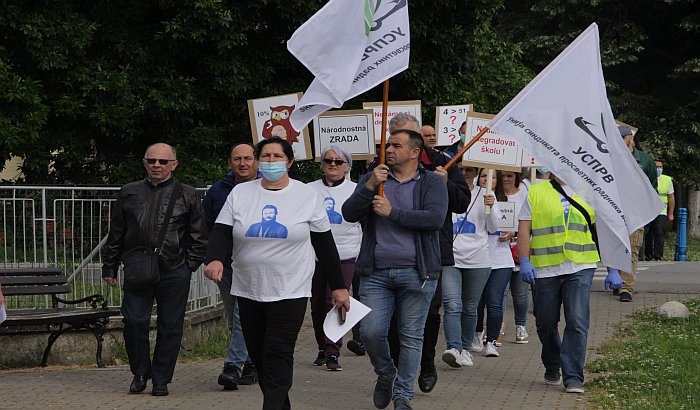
(59, 319)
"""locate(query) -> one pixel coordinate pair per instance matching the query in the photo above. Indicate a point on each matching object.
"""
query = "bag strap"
(177, 187)
(594, 233)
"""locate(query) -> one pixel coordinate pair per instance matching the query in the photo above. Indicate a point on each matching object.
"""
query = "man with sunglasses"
(139, 214)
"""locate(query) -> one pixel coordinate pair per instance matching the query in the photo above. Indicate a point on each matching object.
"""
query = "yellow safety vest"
(553, 239)
(663, 187)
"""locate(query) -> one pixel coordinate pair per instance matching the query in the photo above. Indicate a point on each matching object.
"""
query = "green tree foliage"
(651, 61)
(86, 86)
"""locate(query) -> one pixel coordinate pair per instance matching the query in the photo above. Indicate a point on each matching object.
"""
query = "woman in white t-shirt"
(334, 188)
(501, 268)
(463, 283)
(517, 193)
(274, 224)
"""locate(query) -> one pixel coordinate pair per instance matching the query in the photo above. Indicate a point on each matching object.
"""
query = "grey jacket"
(426, 218)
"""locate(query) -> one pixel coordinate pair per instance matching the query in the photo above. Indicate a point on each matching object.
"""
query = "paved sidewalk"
(512, 381)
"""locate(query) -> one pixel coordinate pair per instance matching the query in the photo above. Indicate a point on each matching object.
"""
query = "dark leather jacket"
(138, 215)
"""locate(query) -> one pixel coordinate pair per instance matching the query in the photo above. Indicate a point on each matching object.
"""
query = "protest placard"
(349, 129)
(448, 119)
(270, 116)
(395, 107)
(508, 220)
(492, 150)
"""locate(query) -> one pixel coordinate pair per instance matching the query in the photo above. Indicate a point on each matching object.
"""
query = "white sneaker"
(477, 345)
(467, 359)
(491, 349)
(452, 358)
(521, 335)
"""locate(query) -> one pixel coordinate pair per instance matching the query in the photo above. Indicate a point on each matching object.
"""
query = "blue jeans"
(461, 292)
(403, 291)
(492, 299)
(521, 298)
(237, 354)
(569, 352)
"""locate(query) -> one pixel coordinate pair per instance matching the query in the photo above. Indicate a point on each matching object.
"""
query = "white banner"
(564, 119)
(349, 47)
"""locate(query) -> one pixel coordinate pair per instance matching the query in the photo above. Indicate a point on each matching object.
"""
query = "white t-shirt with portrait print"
(272, 254)
(346, 235)
(470, 245)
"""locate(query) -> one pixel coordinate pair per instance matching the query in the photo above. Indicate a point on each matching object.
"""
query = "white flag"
(564, 119)
(350, 46)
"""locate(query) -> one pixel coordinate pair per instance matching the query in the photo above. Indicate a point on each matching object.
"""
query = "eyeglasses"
(337, 162)
(162, 161)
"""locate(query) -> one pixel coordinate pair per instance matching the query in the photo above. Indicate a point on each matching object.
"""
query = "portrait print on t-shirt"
(333, 216)
(463, 226)
(269, 227)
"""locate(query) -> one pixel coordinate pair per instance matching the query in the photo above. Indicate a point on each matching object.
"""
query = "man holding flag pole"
(350, 47)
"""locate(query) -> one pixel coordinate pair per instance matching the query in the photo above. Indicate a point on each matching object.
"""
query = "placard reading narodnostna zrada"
(349, 129)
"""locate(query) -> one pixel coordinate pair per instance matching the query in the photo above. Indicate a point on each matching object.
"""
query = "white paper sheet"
(332, 327)
(3, 313)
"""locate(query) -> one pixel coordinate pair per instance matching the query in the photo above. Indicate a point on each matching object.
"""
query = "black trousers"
(654, 239)
(171, 297)
(356, 295)
(270, 330)
(430, 334)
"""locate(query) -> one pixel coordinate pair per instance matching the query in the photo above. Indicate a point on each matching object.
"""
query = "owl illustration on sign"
(279, 125)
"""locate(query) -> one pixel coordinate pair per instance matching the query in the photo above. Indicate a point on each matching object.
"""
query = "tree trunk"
(693, 212)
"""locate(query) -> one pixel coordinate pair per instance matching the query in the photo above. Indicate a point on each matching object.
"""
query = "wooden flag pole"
(466, 147)
(382, 146)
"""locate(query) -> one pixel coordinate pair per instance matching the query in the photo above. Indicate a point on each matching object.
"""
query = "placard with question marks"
(448, 120)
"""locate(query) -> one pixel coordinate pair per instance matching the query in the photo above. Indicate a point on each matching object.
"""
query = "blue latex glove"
(613, 280)
(528, 273)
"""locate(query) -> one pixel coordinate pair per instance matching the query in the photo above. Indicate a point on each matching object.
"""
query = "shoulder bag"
(141, 262)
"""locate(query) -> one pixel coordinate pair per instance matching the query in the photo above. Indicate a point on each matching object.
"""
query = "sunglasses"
(337, 162)
(161, 161)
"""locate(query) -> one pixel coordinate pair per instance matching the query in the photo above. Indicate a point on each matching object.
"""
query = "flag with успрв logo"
(564, 119)
(349, 47)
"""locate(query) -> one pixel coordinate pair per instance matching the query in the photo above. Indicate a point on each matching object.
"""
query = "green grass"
(651, 363)
(214, 347)
(693, 243)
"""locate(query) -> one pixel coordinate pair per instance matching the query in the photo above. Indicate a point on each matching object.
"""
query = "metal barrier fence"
(66, 227)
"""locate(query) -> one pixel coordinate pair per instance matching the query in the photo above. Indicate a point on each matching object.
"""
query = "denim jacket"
(427, 217)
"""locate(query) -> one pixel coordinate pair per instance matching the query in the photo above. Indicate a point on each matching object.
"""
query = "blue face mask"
(272, 171)
(659, 171)
(542, 170)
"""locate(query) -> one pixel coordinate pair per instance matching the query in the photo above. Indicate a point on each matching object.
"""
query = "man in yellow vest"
(654, 241)
(561, 263)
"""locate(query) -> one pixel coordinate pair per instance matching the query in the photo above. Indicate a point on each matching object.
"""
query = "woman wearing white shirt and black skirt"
(274, 224)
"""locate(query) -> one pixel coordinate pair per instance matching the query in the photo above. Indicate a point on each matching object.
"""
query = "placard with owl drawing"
(270, 117)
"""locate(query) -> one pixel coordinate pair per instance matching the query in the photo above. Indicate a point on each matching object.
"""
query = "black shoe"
(616, 292)
(138, 384)
(249, 375)
(320, 358)
(383, 392)
(160, 390)
(427, 379)
(332, 363)
(625, 297)
(356, 347)
(552, 377)
(229, 378)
